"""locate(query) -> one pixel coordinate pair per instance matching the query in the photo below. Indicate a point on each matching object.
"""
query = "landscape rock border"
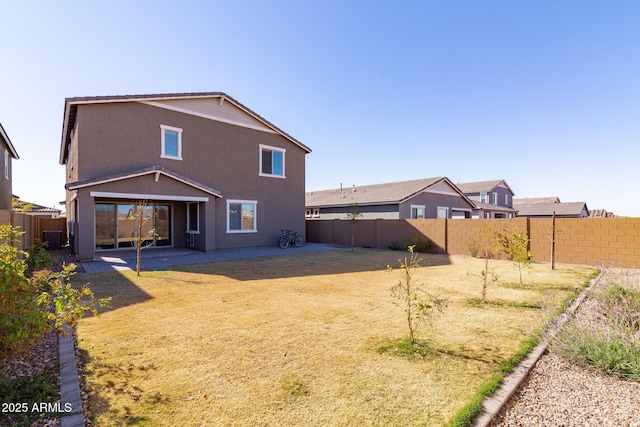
(510, 384)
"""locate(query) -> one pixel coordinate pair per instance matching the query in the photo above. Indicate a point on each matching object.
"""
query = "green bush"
(32, 306)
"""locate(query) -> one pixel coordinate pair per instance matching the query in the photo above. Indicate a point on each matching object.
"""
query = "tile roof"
(495, 208)
(140, 172)
(378, 194)
(533, 200)
(71, 105)
(547, 209)
(480, 186)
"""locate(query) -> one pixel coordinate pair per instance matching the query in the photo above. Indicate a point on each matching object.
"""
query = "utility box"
(53, 238)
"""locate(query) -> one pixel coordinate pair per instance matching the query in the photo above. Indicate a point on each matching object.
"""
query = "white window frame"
(483, 197)
(6, 163)
(307, 213)
(445, 208)
(495, 199)
(418, 207)
(255, 215)
(163, 154)
(196, 229)
(263, 147)
(316, 213)
(506, 200)
(487, 215)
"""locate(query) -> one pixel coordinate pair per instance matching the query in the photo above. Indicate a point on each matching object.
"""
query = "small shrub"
(39, 257)
(604, 333)
(394, 246)
(419, 245)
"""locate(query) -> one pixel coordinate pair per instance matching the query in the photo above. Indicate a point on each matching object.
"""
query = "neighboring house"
(9, 154)
(209, 173)
(493, 199)
(33, 209)
(601, 213)
(423, 198)
(546, 210)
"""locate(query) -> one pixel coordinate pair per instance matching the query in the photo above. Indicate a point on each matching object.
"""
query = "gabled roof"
(493, 208)
(7, 142)
(378, 194)
(71, 106)
(482, 186)
(547, 209)
(153, 170)
(534, 200)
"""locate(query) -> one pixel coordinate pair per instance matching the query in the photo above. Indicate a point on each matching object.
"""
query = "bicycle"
(288, 237)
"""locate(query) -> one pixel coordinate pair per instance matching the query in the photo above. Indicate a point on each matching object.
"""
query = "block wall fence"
(586, 241)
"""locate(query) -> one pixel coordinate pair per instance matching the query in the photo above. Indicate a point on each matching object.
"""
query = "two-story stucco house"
(417, 199)
(209, 172)
(493, 199)
(9, 153)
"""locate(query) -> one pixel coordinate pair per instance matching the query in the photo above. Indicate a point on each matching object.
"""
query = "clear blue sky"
(543, 94)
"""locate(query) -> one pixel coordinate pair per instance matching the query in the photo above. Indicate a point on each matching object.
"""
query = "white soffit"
(213, 109)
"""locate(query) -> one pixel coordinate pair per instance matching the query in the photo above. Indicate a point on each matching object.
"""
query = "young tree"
(484, 246)
(516, 247)
(143, 215)
(354, 215)
(418, 304)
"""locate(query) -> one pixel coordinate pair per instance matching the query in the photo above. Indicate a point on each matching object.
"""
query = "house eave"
(155, 170)
(72, 103)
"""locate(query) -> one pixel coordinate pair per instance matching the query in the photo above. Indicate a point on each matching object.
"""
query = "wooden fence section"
(587, 241)
(34, 226)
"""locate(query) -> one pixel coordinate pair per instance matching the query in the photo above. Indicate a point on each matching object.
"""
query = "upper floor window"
(417, 212)
(495, 198)
(483, 197)
(171, 142)
(272, 161)
(506, 200)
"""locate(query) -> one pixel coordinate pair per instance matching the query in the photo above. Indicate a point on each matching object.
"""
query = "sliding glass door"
(118, 225)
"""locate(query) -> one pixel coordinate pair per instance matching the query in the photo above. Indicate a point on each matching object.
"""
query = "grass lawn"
(294, 340)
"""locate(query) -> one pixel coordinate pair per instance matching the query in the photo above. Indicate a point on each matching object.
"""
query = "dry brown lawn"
(293, 340)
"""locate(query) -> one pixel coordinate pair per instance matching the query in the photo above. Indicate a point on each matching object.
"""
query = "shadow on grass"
(116, 387)
(339, 261)
(422, 350)
(122, 291)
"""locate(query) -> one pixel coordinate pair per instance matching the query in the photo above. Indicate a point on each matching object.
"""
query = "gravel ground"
(41, 356)
(557, 393)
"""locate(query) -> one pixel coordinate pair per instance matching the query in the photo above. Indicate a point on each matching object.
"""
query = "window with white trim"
(272, 161)
(443, 212)
(487, 214)
(242, 216)
(171, 141)
(506, 200)
(417, 212)
(193, 218)
(483, 197)
(495, 198)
